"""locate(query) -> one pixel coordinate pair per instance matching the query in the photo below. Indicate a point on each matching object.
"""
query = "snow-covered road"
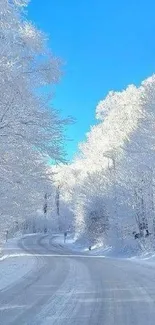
(75, 289)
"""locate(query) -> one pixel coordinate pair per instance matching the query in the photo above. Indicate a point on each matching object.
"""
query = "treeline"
(110, 185)
(31, 131)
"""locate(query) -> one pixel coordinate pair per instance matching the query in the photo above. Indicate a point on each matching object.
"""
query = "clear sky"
(106, 45)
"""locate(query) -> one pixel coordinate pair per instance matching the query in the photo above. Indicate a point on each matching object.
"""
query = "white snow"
(12, 269)
(129, 249)
(15, 263)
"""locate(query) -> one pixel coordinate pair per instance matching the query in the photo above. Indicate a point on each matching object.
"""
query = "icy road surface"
(63, 288)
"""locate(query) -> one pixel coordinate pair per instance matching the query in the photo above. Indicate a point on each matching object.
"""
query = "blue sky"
(105, 44)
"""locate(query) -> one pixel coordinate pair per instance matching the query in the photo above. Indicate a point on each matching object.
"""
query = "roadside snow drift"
(13, 264)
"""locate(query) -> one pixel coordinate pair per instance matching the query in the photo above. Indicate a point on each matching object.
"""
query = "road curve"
(73, 290)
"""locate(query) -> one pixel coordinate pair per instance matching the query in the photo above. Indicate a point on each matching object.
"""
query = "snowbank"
(12, 269)
(127, 248)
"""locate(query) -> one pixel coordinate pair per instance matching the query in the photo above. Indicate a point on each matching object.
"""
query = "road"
(70, 289)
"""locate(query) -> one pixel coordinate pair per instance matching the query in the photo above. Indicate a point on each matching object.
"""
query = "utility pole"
(58, 200)
(45, 205)
(152, 205)
(114, 179)
(137, 206)
(45, 211)
(111, 156)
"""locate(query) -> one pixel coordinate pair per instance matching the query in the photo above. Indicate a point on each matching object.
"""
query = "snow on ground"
(15, 263)
(79, 245)
(12, 269)
(128, 248)
(70, 242)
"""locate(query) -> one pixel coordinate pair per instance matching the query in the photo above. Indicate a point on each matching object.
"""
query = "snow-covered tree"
(31, 131)
(116, 165)
(26, 65)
